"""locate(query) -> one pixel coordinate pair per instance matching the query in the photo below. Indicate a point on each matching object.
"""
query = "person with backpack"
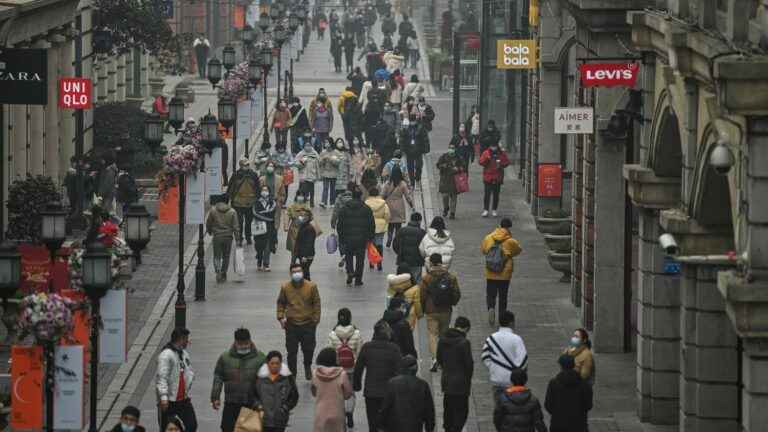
(454, 356)
(517, 409)
(345, 338)
(438, 240)
(499, 249)
(439, 292)
(402, 286)
(402, 334)
(406, 246)
(243, 189)
(503, 352)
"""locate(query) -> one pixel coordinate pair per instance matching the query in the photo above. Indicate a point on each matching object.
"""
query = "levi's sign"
(75, 93)
(609, 74)
(574, 120)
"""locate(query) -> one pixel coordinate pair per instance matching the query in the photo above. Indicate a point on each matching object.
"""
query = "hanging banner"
(168, 207)
(574, 120)
(516, 54)
(113, 342)
(23, 76)
(27, 388)
(35, 268)
(214, 179)
(195, 205)
(68, 402)
(609, 74)
(243, 123)
(550, 184)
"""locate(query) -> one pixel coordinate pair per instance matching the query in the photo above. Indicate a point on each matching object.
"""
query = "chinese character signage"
(550, 177)
(574, 120)
(516, 54)
(23, 76)
(609, 74)
(75, 93)
(27, 387)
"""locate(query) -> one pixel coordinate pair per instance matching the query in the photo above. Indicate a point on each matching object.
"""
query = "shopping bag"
(249, 420)
(239, 261)
(373, 254)
(287, 176)
(258, 228)
(461, 180)
(332, 244)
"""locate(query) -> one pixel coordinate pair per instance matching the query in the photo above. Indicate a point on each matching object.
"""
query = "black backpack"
(441, 290)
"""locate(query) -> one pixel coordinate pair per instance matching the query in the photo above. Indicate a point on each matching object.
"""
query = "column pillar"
(35, 146)
(101, 70)
(66, 117)
(120, 78)
(588, 233)
(19, 115)
(549, 142)
(112, 79)
(51, 160)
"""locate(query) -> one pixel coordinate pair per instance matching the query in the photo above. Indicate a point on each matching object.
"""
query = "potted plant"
(26, 199)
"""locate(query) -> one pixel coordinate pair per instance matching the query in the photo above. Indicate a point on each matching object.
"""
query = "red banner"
(27, 387)
(609, 74)
(550, 180)
(168, 207)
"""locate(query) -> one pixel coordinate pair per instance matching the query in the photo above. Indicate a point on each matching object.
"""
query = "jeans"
(372, 408)
(222, 248)
(455, 412)
(392, 232)
(244, 219)
(437, 324)
(306, 263)
(416, 273)
(308, 188)
(355, 260)
(498, 288)
(449, 203)
(262, 256)
(329, 191)
(491, 190)
(181, 409)
(303, 335)
(415, 164)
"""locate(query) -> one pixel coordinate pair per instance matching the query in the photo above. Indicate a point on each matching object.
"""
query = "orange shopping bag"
(374, 257)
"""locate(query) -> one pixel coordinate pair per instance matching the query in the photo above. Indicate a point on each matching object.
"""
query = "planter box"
(556, 226)
(562, 263)
(558, 243)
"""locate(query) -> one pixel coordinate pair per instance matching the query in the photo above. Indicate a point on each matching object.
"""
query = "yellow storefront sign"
(533, 13)
(516, 54)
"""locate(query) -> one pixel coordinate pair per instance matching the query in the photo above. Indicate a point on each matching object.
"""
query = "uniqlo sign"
(609, 74)
(75, 93)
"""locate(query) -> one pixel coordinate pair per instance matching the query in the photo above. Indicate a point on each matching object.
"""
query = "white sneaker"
(485, 213)
(495, 213)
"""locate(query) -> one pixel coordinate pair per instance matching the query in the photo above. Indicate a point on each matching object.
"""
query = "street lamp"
(293, 22)
(137, 233)
(265, 22)
(176, 110)
(97, 279)
(274, 11)
(214, 71)
(153, 130)
(280, 37)
(247, 34)
(227, 112)
(254, 72)
(10, 271)
(209, 127)
(53, 232)
(228, 57)
(266, 63)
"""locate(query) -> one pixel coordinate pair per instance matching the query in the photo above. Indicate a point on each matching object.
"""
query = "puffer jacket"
(427, 303)
(380, 211)
(406, 245)
(169, 366)
(341, 200)
(509, 247)
(493, 166)
(222, 221)
(568, 400)
(433, 244)
(346, 94)
(329, 163)
(454, 355)
(518, 410)
(277, 398)
(343, 171)
(401, 283)
(393, 61)
(237, 373)
(243, 188)
(379, 359)
(408, 405)
(308, 162)
(350, 334)
(356, 226)
(313, 110)
(402, 334)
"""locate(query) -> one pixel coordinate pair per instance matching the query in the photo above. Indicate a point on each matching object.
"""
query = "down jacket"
(350, 334)
(169, 366)
(308, 162)
(407, 243)
(380, 211)
(432, 243)
(517, 410)
(355, 225)
(237, 373)
(277, 398)
(493, 166)
(401, 283)
(329, 163)
(509, 247)
(379, 359)
(454, 355)
(222, 221)
(402, 334)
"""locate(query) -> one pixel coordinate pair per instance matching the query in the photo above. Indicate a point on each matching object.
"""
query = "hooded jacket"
(509, 247)
(454, 355)
(380, 211)
(568, 400)
(309, 165)
(331, 387)
(379, 359)
(434, 244)
(341, 200)
(243, 188)
(401, 283)
(448, 166)
(402, 334)
(427, 303)
(237, 374)
(222, 221)
(406, 245)
(518, 410)
(346, 94)
(408, 405)
(277, 398)
(350, 334)
(396, 197)
(493, 171)
(488, 137)
(355, 225)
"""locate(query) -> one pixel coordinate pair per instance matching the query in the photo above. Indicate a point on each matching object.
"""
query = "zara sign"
(23, 76)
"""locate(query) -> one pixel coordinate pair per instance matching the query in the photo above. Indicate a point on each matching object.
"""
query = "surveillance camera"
(668, 244)
(721, 159)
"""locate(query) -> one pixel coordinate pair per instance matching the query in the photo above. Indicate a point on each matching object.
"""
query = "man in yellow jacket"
(298, 311)
(498, 282)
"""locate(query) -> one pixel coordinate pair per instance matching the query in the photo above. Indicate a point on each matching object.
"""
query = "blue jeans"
(329, 191)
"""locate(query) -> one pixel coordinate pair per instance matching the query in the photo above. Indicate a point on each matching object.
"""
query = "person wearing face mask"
(321, 115)
(281, 122)
(297, 213)
(493, 160)
(414, 142)
(129, 420)
(580, 348)
(424, 112)
(299, 123)
(173, 381)
(276, 393)
(330, 159)
(342, 171)
(304, 248)
(283, 161)
(298, 311)
(461, 142)
(489, 136)
(236, 371)
(222, 224)
(264, 212)
(242, 191)
(308, 161)
(449, 165)
(356, 227)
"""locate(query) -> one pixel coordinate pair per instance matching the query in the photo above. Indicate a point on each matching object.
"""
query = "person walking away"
(336, 49)
(348, 45)
(297, 213)
(414, 142)
(438, 241)
(396, 194)
(128, 191)
(378, 360)
(396, 160)
(173, 381)
(489, 136)
(408, 405)
(299, 123)
(414, 88)
(454, 357)
(304, 249)
(281, 121)
(342, 198)
(356, 79)
(472, 126)
(568, 399)
(499, 249)
(503, 352)
(408, 291)
(356, 227)
(406, 246)
(349, 110)
(580, 348)
(439, 294)
(222, 224)
(461, 142)
(308, 163)
(107, 181)
(264, 213)
(388, 25)
(449, 165)
(236, 371)
(243, 189)
(283, 162)
(381, 219)
(321, 115)
(276, 393)
(298, 311)
(346, 340)
(330, 387)
(402, 334)
(396, 85)
(517, 408)
(414, 55)
(129, 420)
(494, 161)
(201, 46)
(330, 159)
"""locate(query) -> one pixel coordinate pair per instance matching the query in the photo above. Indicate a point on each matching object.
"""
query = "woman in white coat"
(346, 338)
(438, 240)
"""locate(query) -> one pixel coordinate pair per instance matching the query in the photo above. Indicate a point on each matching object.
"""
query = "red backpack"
(345, 356)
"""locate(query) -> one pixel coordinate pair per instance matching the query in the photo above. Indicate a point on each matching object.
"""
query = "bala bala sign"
(23, 76)
(609, 74)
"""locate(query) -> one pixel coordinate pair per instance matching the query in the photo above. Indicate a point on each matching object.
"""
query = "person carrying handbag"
(264, 230)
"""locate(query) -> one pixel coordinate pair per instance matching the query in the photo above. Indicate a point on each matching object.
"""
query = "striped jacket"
(503, 352)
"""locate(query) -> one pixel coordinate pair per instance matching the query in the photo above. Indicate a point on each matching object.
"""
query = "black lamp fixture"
(214, 71)
(228, 57)
(274, 11)
(176, 112)
(301, 13)
(97, 271)
(227, 112)
(280, 35)
(266, 58)
(137, 233)
(254, 72)
(153, 129)
(247, 34)
(53, 228)
(209, 126)
(265, 22)
(10, 270)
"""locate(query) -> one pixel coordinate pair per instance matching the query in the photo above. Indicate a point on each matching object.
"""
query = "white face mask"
(270, 169)
(575, 342)
(265, 194)
(127, 428)
(243, 351)
(297, 277)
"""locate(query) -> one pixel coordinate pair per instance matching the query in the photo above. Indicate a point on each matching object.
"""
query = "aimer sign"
(516, 54)
(574, 120)
(75, 93)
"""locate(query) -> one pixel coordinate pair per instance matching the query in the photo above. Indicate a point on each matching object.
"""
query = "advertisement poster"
(195, 205)
(168, 207)
(35, 267)
(214, 178)
(550, 180)
(81, 332)
(68, 402)
(113, 344)
(27, 388)
(243, 123)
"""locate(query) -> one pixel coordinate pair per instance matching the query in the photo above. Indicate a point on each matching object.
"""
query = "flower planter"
(555, 226)
(558, 243)
(562, 263)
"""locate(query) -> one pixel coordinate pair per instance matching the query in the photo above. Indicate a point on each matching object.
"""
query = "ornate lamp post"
(247, 35)
(228, 57)
(228, 119)
(279, 36)
(53, 232)
(255, 73)
(209, 127)
(137, 233)
(153, 131)
(176, 111)
(214, 71)
(266, 63)
(265, 22)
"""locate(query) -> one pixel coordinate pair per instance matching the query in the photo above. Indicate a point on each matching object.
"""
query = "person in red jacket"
(493, 160)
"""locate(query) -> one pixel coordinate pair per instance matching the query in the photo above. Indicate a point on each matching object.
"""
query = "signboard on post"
(516, 54)
(609, 74)
(75, 93)
(575, 120)
(27, 388)
(168, 207)
(213, 181)
(550, 176)
(68, 403)
(113, 338)
(195, 205)
(23, 76)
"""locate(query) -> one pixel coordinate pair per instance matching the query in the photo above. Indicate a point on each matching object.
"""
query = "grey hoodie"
(222, 221)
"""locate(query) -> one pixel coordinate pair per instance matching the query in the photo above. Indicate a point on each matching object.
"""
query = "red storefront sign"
(75, 93)
(609, 74)
(550, 180)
